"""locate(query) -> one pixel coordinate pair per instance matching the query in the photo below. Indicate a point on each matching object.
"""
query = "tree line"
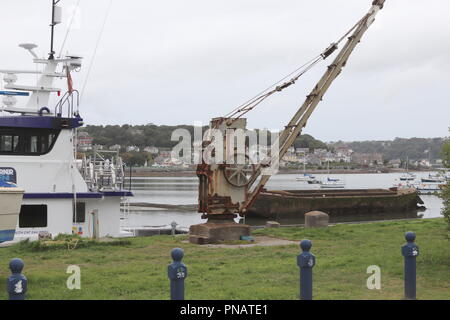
(399, 148)
(160, 136)
(152, 135)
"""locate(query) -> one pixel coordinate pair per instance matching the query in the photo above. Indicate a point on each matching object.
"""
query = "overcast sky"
(177, 61)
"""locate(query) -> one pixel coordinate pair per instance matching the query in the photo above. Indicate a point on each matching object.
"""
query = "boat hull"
(11, 200)
(295, 203)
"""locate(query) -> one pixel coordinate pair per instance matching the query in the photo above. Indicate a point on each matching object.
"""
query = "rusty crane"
(229, 188)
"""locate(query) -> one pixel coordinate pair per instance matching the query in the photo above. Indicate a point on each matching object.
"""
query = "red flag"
(69, 81)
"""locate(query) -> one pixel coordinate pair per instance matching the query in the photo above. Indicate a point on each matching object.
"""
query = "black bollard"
(17, 283)
(177, 272)
(306, 261)
(410, 251)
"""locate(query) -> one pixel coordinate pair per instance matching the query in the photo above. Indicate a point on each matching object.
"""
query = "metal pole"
(52, 25)
(306, 261)
(130, 177)
(410, 252)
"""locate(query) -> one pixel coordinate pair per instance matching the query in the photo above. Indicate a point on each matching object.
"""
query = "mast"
(56, 19)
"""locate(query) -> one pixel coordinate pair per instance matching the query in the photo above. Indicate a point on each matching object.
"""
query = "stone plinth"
(215, 231)
(316, 219)
(272, 224)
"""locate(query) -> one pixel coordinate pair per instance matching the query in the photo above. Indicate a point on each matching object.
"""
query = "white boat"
(428, 188)
(331, 183)
(11, 201)
(62, 195)
(433, 178)
(308, 178)
(408, 177)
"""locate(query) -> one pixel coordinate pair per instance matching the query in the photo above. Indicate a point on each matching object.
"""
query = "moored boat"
(332, 183)
(63, 194)
(308, 178)
(11, 200)
(433, 178)
(408, 177)
(294, 203)
(429, 188)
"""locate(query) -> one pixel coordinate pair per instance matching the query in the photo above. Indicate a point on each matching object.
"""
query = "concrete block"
(316, 219)
(211, 232)
(272, 224)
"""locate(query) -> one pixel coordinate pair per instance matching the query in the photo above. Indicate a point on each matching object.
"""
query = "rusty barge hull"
(294, 203)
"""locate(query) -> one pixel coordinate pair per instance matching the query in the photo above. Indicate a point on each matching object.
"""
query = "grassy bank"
(138, 269)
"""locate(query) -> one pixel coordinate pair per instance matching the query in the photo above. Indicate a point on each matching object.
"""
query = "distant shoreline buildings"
(295, 157)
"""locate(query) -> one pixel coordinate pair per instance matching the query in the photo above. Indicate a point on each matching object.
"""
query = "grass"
(137, 268)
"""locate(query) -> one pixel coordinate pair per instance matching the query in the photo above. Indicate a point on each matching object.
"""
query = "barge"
(294, 203)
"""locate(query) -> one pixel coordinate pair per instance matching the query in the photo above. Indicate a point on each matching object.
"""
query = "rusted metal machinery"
(230, 187)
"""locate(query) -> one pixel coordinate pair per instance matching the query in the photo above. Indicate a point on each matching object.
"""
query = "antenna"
(29, 47)
(56, 19)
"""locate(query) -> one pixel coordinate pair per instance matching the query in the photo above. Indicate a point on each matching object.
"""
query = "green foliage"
(139, 135)
(445, 194)
(67, 242)
(399, 148)
(307, 141)
(160, 136)
(134, 158)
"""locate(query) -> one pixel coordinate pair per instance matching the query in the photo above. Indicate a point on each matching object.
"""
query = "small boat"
(11, 201)
(408, 177)
(429, 188)
(332, 183)
(433, 178)
(314, 181)
(308, 178)
(305, 177)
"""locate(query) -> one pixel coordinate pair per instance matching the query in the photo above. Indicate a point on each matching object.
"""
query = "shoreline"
(144, 172)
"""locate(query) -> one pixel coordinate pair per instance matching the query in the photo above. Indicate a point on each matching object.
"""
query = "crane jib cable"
(300, 71)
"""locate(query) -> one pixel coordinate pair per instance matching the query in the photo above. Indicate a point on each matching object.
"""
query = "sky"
(183, 62)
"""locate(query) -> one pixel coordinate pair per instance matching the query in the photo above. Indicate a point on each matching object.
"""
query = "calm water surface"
(183, 190)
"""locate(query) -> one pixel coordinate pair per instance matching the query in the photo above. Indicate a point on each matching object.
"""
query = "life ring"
(41, 111)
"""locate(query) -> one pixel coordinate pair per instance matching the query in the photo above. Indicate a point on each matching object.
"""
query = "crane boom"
(299, 120)
(228, 188)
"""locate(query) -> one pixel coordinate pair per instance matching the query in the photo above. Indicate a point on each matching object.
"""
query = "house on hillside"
(367, 159)
(152, 150)
(133, 148)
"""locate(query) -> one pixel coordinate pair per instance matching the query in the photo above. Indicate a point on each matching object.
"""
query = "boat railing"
(70, 100)
(101, 172)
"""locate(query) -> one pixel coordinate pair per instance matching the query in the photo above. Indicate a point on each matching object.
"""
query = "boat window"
(80, 216)
(33, 216)
(27, 141)
(34, 144)
(6, 143)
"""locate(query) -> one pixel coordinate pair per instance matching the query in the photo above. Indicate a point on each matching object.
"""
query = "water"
(183, 190)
